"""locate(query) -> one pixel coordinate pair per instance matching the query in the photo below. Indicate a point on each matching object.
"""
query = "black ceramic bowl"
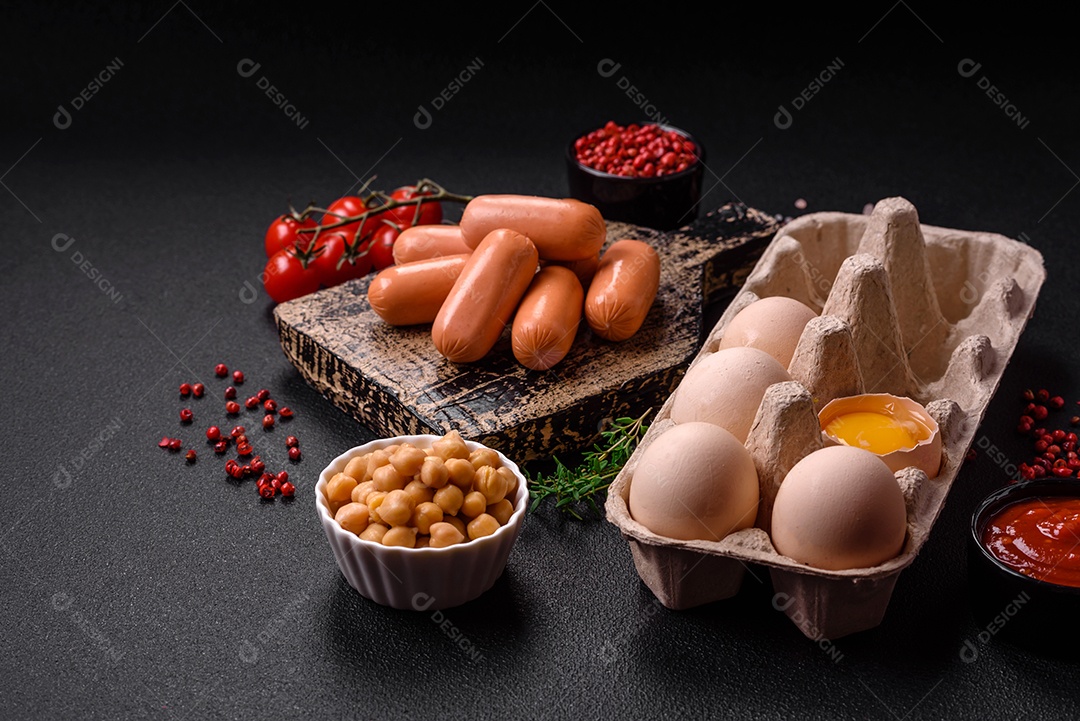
(1005, 602)
(664, 202)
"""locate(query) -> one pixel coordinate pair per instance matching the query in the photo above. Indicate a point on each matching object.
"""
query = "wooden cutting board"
(394, 381)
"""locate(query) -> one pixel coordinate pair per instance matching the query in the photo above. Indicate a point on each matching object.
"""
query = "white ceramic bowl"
(419, 578)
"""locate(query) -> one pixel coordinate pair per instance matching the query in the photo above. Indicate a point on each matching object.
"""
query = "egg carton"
(908, 309)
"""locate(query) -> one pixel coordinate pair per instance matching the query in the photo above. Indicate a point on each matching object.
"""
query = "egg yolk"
(875, 432)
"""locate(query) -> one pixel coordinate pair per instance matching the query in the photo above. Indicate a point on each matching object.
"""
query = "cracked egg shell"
(726, 388)
(924, 453)
(695, 481)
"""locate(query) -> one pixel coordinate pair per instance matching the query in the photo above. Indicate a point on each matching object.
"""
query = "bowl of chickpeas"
(421, 522)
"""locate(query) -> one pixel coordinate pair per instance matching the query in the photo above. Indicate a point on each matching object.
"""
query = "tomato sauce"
(1038, 537)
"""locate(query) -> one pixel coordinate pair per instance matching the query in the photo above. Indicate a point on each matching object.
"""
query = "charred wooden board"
(394, 381)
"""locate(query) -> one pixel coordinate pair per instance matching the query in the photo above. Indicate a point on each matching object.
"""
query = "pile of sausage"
(520, 259)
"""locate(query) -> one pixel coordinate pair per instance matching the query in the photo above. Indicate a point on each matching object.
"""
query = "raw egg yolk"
(876, 432)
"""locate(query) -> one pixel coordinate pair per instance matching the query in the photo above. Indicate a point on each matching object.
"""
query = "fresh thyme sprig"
(576, 489)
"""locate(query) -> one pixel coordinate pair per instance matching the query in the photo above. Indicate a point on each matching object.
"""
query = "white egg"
(726, 388)
(695, 481)
(839, 507)
(773, 325)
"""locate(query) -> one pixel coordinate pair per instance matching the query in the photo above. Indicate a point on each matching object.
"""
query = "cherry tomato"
(348, 206)
(329, 266)
(430, 213)
(381, 251)
(282, 233)
(285, 277)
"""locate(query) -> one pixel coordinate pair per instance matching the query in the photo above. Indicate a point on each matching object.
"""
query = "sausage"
(484, 296)
(583, 269)
(428, 241)
(547, 319)
(561, 229)
(413, 292)
(623, 289)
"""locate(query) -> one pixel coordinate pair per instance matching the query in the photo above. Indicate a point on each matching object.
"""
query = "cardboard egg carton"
(909, 309)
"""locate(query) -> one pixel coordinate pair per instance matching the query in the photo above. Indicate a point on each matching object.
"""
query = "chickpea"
(374, 501)
(456, 523)
(419, 492)
(374, 532)
(501, 511)
(357, 467)
(392, 449)
(425, 515)
(407, 460)
(449, 499)
(445, 534)
(396, 509)
(422, 541)
(400, 536)
(482, 525)
(474, 504)
(491, 484)
(352, 517)
(450, 446)
(461, 473)
(511, 481)
(388, 479)
(375, 460)
(484, 457)
(433, 473)
(339, 489)
(362, 491)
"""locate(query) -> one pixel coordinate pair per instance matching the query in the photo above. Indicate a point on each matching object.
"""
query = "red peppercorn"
(197, 390)
(1040, 412)
(1057, 402)
(1054, 450)
(1027, 473)
(1023, 429)
(213, 433)
(257, 465)
(270, 405)
(232, 408)
(1043, 395)
(221, 370)
(251, 402)
(1041, 446)
(1039, 472)
(186, 416)
(1071, 437)
(1058, 435)
(1027, 419)
(175, 444)
(275, 484)
(236, 431)
(288, 490)
(1029, 395)
(262, 395)
(230, 465)
(267, 491)
(230, 393)
(1062, 472)
(268, 421)
(164, 442)
(285, 412)
(291, 441)
(243, 449)
(221, 446)
(190, 455)
(282, 476)
(238, 377)
(294, 453)
(266, 478)
(185, 389)
(242, 438)
(245, 470)
(1049, 456)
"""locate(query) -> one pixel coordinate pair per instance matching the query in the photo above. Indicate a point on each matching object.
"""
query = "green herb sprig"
(576, 489)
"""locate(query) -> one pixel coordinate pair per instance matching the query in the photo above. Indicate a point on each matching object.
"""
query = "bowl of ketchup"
(1024, 563)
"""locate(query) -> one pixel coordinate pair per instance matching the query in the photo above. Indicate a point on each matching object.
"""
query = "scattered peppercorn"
(221, 370)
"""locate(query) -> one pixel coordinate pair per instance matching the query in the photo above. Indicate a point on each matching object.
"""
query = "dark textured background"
(135, 586)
